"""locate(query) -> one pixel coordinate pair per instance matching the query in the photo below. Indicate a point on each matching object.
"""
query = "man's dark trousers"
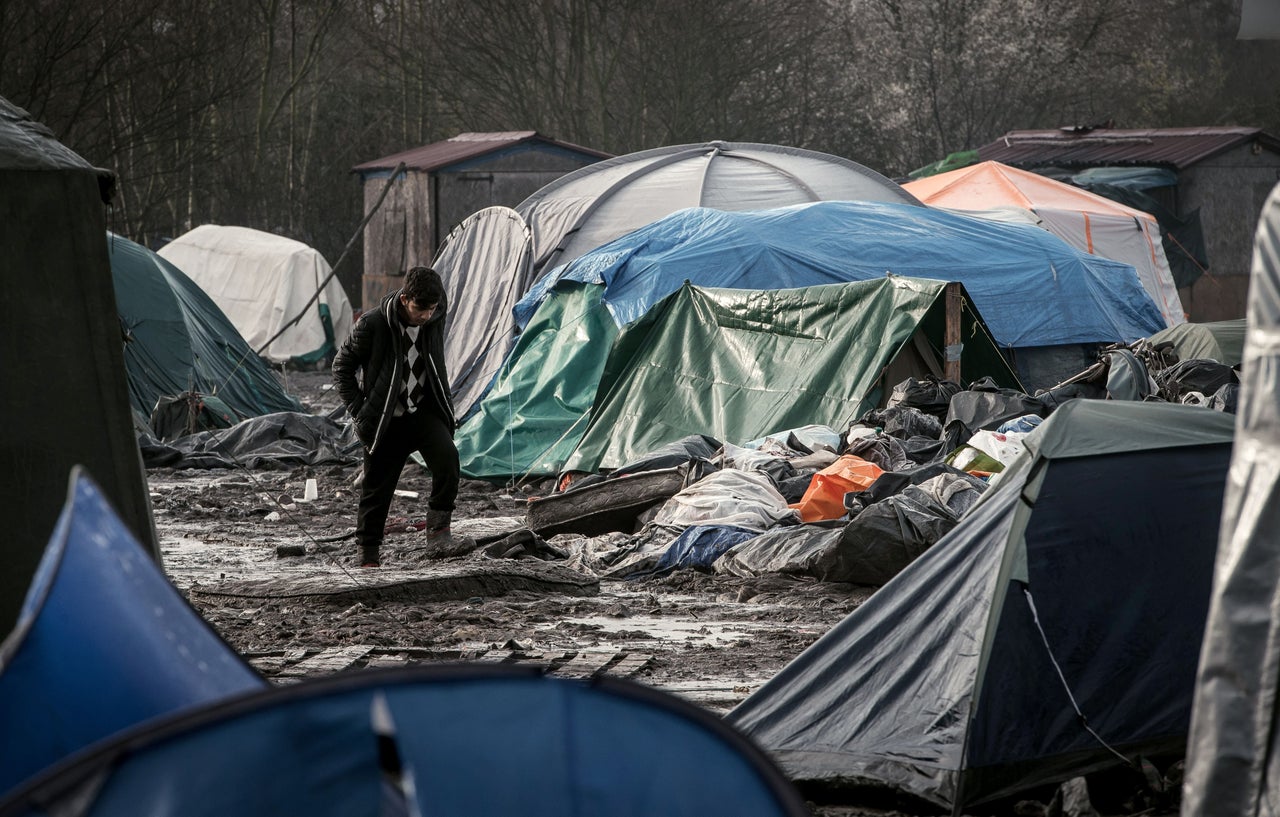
(421, 431)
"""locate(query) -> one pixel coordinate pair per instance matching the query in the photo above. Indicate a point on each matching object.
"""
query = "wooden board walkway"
(449, 581)
(297, 663)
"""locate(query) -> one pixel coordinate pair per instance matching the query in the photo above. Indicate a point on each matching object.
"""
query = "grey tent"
(1234, 746)
(490, 260)
(1053, 632)
(65, 400)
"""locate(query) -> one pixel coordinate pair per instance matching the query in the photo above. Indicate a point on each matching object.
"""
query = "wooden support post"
(952, 337)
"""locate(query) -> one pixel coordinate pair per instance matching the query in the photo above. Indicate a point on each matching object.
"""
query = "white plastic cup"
(310, 492)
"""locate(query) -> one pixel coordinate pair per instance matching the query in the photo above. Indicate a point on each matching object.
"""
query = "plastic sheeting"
(264, 282)
(741, 499)
(941, 685)
(798, 551)
(737, 364)
(698, 547)
(103, 643)
(448, 741)
(1031, 287)
(282, 440)
(1234, 745)
(177, 340)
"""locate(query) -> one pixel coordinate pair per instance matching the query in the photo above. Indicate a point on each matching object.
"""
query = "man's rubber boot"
(369, 554)
(440, 539)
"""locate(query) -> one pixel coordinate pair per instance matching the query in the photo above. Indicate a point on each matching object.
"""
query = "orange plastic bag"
(824, 498)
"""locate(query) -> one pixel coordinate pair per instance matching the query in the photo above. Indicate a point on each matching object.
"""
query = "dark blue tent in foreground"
(117, 699)
(461, 740)
(1053, 632)
(103, 642)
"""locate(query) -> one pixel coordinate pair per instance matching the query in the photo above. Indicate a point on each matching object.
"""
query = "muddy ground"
(276, 576)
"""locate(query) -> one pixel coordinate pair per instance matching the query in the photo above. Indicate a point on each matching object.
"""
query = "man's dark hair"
(423, 286)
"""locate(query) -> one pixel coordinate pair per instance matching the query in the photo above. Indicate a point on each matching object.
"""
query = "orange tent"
(1084, 220)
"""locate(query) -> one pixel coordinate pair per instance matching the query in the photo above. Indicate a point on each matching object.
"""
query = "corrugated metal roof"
(466, 146)
(1084, 147)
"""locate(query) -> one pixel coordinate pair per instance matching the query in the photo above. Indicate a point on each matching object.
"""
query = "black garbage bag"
(983, 407)
(1198, 374)
(931, 395)
(886, 537)
(881, 449)
(903, 422)
(892, 483)
(1226, 398)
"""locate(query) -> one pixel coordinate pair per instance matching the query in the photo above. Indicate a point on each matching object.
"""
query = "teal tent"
(178, 341)
(734, 364)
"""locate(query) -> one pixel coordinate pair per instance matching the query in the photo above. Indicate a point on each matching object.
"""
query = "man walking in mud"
(390, 374)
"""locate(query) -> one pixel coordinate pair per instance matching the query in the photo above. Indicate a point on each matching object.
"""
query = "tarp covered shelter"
(1234, 744)
(732, 364)
(1042, 292)
(269, 287)
(1084, 220)
(103, 643)
(177, 340)
(448, 740)
(496, 257)
(1054, 628)
(740, 364)
(66, 399)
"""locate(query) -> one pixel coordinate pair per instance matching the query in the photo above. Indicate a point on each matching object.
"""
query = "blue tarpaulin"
(1031, 287)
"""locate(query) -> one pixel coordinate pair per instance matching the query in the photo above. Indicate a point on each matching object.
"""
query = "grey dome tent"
(178, 341)
(1053, 632)
(492, 259)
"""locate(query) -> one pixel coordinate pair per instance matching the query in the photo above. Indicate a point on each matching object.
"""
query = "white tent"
(267, 286)
(1084, 220)
(492, 259)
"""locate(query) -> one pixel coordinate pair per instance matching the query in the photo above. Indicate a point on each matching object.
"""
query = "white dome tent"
(267, 286)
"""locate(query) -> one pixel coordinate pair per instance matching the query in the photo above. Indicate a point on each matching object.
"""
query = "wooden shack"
(442, 184)
(1222, 175)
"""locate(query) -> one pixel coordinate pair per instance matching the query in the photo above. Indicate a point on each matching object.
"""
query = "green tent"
(738, 364)
(535, 412)
(177, 341)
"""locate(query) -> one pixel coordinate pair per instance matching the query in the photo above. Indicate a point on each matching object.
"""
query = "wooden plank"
(630, 664)
(586, 663)
(328, 661)
(952, 333)
(384, 661)
(495, 657)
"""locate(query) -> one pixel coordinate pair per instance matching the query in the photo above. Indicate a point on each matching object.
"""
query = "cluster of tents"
(205, 317)
(756, 320)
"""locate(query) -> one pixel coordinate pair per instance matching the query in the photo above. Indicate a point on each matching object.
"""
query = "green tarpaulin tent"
(733, 364)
